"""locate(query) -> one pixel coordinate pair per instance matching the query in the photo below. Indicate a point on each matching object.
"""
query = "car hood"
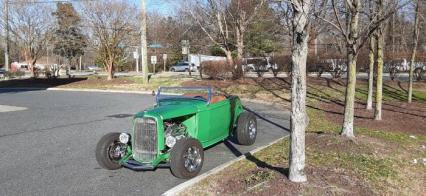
(172, 109)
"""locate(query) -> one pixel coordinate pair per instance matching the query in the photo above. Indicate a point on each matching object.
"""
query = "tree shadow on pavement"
(251, 158)
(267, 120)
(34, 84)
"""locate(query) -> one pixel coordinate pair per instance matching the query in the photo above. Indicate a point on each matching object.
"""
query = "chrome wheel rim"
(192, 159)
(252, 129)
(116, 151)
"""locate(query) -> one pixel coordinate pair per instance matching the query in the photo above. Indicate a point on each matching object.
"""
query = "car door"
(220, 119)
(182, 67)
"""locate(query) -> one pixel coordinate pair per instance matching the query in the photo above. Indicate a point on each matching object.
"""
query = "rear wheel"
(186, 158)
(246, 129)
(109, 151)
(418, 74)
(172, 69)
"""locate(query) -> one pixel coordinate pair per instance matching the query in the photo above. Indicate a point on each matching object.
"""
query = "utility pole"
(144, 53)
(6, 45)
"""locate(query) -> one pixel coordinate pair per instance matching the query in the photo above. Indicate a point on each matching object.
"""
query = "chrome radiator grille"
(145, 139)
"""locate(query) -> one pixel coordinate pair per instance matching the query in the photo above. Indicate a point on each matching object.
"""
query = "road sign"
(164, 57)
(154, 60)
(185, 50)
(135, 55)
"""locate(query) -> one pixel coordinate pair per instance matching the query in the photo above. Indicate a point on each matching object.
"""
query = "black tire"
(172, 69)
(320, 70)
(417, 74)
(177, 158)
(102, 151)
(243, 132)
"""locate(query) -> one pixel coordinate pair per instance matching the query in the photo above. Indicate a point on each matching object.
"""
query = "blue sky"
(162, 6)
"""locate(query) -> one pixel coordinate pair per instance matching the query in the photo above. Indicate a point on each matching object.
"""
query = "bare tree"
(370, 73)
(413, 53)
(242, 13)
(111, 24)
(299, 122)
(31, 29)
(212, 18)
(355, 34)
(225, 23)
(371, 48)
(379, 80)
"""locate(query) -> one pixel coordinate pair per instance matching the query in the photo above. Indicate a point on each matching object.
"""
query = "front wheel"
(110, 151)
(186, 158)
(246, 129)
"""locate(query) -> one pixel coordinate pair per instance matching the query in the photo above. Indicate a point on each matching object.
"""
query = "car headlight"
(170, 141)
(124, 138)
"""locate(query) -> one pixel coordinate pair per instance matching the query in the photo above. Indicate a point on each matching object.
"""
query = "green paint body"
(208, 123)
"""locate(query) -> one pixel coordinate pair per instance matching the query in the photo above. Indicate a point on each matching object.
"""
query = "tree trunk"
(240, 43)
(379, 80)
(348, 123)
(201, 67)
(413, 54)
(353, 20)
(298, 90)
(238, 72)
(229, 59)
(370, 74)
(110, 70)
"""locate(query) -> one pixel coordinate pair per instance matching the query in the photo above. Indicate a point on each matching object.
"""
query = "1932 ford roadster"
(174, 132)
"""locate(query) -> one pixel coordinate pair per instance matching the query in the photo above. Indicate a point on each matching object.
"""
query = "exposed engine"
(174, 131)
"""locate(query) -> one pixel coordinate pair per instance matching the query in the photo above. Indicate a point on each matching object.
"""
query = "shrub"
(216, 69)
(14, 74)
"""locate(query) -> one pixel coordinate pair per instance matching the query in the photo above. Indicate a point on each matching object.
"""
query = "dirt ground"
(335, 166)
(396, 116)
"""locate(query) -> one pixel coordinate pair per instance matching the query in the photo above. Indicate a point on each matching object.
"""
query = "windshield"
(195, 93)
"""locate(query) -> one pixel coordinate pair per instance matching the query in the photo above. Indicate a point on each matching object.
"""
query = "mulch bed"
(396, 116)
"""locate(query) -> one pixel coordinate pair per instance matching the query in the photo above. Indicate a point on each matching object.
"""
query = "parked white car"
(2, 72)
(258, 64)
(94, 68)
(183, 66)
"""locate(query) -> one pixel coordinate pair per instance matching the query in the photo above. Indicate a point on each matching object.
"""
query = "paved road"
(47, 147)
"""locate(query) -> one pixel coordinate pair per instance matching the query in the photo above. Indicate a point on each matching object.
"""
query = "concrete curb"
(181, 187)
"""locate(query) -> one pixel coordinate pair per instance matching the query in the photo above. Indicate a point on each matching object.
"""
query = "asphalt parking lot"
(48, 139)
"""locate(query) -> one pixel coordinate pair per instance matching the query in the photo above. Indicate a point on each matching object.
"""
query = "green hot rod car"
(174, 132)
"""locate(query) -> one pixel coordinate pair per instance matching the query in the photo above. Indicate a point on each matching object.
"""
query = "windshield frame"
(208, 89)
